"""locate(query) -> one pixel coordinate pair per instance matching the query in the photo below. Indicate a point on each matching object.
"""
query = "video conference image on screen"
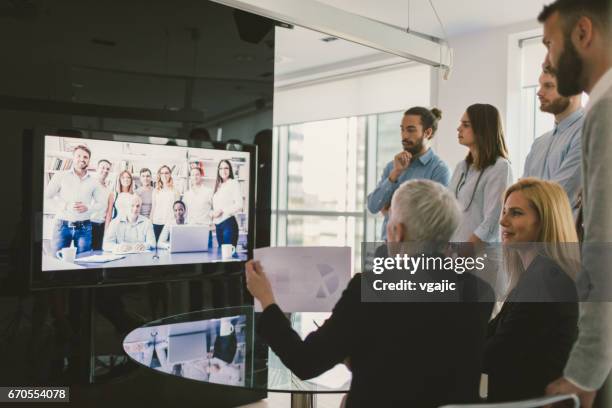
(207, 350)
(121, 204)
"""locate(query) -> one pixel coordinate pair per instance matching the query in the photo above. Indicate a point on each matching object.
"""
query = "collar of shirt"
(426, 157)
(125, 220)
(86, 176)
(600, 88)
(570, 120)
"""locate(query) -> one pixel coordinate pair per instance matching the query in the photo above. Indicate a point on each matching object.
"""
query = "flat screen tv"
(128, 210)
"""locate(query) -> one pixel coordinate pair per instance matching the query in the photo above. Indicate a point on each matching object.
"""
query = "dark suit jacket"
(529, 342)
(401, 354)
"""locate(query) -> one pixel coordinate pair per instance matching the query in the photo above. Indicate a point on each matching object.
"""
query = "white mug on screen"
(227, 251)
(67, 254)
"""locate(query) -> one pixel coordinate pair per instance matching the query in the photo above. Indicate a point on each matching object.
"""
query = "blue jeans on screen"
(66, 232)
(227, 232)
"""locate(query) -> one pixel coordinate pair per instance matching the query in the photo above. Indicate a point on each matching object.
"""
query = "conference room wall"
(484, 72)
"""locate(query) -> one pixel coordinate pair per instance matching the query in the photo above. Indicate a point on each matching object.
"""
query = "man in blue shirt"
(556, 155)
(416, 161)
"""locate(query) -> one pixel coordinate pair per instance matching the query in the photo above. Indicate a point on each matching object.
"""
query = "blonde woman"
(163, 199)
(120, 199)
(530, 339)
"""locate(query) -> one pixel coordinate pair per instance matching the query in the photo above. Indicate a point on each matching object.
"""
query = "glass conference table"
(220, 346)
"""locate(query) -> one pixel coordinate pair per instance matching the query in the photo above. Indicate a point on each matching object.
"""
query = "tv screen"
(123, 204)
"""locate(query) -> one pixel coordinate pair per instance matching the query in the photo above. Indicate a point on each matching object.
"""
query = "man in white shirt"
(198, 201)
(557, 155)
(98, 217)
(77, 196)
(578, 36)
(131, 232)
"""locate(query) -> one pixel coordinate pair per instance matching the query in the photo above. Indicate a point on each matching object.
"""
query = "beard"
(415, 148)
(557, 106)
(569, 70)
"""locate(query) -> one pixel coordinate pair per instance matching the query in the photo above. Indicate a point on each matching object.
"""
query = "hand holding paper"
(300, 279)
(258, 284)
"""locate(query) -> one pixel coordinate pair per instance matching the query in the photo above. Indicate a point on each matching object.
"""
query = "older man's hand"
(564, 386)
(258, 284)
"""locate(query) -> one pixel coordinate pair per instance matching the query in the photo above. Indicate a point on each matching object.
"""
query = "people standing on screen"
(577, 35)
(221, 370)
(227, 203)
(432, 361)
(199, 200)
(77, 196)
(98, 218)
(530, 338)
(179, 210)
(119, 200)
(416, 161)
(145, 191)
(163, 199)
(556, 154)
(480, 180)
(130, 232)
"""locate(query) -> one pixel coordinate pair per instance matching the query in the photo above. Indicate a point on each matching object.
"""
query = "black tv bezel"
(34, 170)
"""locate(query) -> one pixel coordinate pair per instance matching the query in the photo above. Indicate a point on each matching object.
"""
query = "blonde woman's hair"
(557, 238)
(159, 185)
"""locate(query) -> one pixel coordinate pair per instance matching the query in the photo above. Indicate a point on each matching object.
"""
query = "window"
(533, 121)
(323, 172)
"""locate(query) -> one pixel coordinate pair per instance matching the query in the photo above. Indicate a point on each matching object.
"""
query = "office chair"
(530, 403)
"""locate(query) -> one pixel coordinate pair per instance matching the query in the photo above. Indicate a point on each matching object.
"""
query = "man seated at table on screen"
(179, 209)
(130, 233)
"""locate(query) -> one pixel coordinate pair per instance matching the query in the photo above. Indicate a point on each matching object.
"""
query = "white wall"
(386, 91)
(480, 75)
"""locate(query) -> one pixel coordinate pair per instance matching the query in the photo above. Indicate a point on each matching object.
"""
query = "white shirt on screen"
(123, 202)
(66, 188)
(122, 231)
(163, 200)
(100, 215)
(229, 199)
(198, 201)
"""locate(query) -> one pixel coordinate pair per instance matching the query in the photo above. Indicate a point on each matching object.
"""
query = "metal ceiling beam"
(352, 27)
(103, 111)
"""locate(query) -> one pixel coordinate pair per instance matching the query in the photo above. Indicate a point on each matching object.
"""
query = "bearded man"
(557, 154)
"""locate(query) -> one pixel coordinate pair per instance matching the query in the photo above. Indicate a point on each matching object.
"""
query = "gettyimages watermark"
(463, 272)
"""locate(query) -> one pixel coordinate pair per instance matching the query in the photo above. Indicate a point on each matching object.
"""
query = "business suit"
(416, 354)
(528, 342)
(591, 358)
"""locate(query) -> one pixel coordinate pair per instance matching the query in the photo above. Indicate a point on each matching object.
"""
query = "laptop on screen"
(187, 347)
(188, 238)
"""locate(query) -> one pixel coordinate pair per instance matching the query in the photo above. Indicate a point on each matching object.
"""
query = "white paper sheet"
(306, 279)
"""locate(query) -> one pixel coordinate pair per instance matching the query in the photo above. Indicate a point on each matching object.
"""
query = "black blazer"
(401, 354)
(528, 342)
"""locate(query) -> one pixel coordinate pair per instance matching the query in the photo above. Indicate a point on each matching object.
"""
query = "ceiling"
(149, 51)
(459, 16)
(301, 55)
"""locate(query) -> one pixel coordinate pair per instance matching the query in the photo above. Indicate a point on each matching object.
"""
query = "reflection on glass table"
(100, 259)
(220, 346)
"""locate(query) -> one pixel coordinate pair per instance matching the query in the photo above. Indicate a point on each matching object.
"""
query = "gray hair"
(428, 211)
